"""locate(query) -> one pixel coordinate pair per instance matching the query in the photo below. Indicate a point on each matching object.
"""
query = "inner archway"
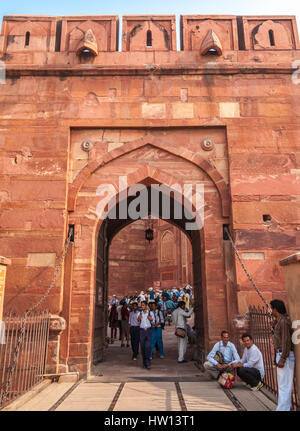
(114, 223)
(136, 264)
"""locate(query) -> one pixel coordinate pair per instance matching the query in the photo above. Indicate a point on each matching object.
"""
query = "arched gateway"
(155, 115)
(112, 224)
(148, 161)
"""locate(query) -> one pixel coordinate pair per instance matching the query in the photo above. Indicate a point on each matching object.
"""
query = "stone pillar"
(57, 325)
(3, 265)
(291, 268)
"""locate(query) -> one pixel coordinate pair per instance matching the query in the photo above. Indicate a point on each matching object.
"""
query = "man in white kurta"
(179, 319)
(251, 368)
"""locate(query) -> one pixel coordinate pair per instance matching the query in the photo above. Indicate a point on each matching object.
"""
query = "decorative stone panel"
(103, 28)
(149, 33)
(29, 33)
(270, 33)
(195, 29)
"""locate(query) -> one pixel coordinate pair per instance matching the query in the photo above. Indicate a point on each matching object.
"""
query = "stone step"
(145, 395)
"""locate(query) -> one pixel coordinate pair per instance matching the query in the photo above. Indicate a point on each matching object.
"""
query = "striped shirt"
(133, 318)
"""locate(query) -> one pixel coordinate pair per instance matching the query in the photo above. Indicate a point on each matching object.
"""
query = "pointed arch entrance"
(113, 224)
(145, 161)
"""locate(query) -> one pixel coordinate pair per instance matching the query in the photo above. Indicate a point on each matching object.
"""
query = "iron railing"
(261, 331)
(31, 358)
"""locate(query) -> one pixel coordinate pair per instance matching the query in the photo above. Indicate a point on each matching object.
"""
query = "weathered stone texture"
(146, 112)
(135, 264)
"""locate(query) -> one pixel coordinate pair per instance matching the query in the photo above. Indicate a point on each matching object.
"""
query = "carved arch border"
(164, 234)
(126, 148)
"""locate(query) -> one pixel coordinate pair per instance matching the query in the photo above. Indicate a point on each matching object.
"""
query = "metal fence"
(31, 359)
(261, 331)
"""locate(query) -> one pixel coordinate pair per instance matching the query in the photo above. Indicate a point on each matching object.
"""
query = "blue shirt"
(229, 352)
(114, 301)
(152, 294)
(170, 305)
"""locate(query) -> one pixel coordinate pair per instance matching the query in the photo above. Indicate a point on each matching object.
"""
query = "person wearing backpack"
(134, 329)
(157, 325)
(145, 319)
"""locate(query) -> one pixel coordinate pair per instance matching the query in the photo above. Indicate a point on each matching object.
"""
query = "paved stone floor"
(121, 384)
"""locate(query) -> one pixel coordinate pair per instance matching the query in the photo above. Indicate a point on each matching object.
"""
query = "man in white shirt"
(145, 319)
(179, 318)
(157, 323)
(251, 368)
(230, 356)
(134, 328)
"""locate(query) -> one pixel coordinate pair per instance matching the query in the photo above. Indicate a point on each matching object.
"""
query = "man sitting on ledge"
(222, 356)
(251, 368)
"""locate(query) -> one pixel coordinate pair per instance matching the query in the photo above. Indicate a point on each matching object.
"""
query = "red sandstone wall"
(245, 100)
(127, 261)
(135, 264)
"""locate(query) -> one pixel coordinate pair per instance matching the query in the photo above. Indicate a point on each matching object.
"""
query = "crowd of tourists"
(138, 320)
(141, 319)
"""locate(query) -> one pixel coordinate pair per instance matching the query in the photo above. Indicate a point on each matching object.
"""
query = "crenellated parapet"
(73, 40)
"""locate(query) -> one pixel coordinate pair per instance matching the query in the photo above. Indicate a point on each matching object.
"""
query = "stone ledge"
(57, 324)
(23, 399)
(5, 261)
(63, 377)
(183, 69)
(293, 258)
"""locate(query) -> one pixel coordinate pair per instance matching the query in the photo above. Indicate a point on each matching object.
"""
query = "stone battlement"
(72, 40)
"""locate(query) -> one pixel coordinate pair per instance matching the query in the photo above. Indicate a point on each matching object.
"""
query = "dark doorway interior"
(109, 228)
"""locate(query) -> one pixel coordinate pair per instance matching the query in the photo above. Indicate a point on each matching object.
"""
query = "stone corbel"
(88, 43)
(56, 327)
(211, 42)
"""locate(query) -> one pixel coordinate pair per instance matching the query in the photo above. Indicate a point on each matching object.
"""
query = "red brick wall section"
(135, 264)
(147, 115)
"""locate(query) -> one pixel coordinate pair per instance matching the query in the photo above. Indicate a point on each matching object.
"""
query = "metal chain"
(55, 275)
(245, 269)
(24, 319)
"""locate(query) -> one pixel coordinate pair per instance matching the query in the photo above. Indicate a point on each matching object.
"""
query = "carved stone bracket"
(89, 43)
(211, 42)
(57, 324)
